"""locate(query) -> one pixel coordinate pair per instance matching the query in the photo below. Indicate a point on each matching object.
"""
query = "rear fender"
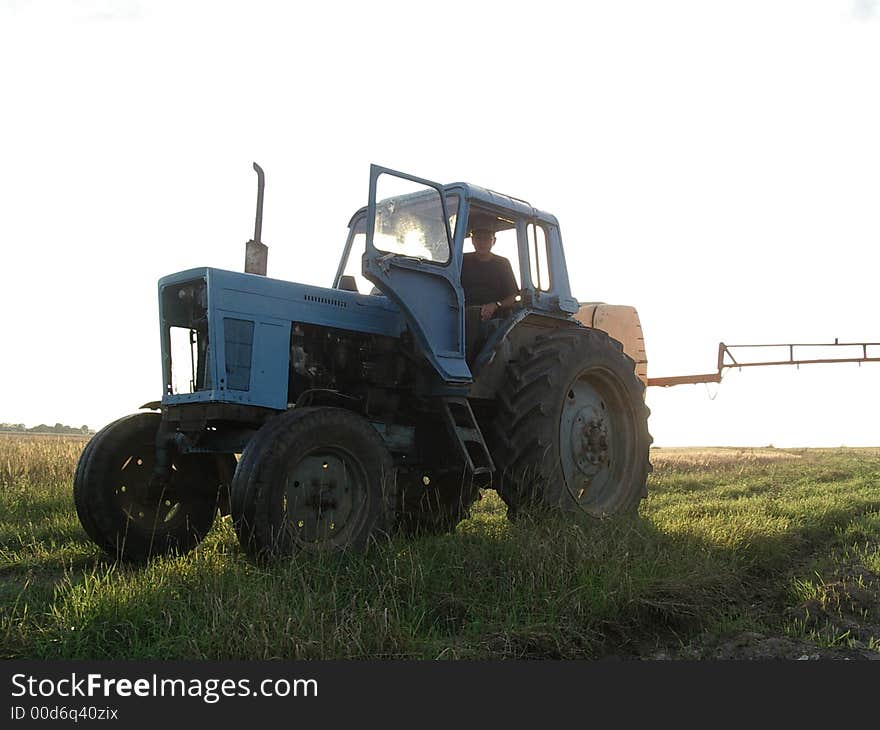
(622, 323)
(518, 329)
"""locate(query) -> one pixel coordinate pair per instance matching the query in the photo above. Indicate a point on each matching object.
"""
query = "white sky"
(715, 164)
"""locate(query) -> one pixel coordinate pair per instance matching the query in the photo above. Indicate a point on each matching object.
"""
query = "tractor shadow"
(624, 588)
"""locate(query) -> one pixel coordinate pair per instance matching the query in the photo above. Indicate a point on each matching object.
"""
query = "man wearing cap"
(487, 279)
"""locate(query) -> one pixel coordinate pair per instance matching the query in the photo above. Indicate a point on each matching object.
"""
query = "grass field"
(737, 553)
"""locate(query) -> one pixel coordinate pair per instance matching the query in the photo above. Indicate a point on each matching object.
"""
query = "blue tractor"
(322, 417)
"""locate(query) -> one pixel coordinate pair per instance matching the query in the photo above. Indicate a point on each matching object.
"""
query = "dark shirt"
(486, 281)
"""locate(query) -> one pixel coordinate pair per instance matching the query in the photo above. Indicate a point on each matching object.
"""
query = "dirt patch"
(840, 621)
(755, 645)
(846, 607)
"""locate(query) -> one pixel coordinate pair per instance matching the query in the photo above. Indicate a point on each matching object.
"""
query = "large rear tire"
(126, 511)
(317, 480)
(572, 432)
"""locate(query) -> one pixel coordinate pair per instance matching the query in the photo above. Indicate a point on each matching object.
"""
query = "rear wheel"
(314, 480)
(573, 428)
(126, 510)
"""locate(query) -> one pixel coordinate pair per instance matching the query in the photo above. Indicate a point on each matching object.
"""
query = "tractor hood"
(219, 327)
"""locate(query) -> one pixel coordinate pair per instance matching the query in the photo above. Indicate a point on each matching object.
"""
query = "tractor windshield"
(410, 227)
(412, 224)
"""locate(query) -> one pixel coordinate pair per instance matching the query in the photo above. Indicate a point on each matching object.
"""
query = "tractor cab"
(408, 244)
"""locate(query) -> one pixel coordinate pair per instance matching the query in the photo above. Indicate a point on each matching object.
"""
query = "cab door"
(409, 256)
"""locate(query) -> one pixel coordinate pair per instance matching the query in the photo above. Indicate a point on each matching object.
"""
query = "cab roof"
(490, 198)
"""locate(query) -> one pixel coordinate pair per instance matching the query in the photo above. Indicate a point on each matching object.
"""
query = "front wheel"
(130, 513)
(316, 480)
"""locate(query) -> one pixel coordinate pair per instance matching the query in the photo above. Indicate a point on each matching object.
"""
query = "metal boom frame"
(724, 352)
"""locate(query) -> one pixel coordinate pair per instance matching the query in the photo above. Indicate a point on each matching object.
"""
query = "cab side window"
(539, 266)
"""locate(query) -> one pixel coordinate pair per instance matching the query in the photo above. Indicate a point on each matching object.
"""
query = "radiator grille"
(325, 300)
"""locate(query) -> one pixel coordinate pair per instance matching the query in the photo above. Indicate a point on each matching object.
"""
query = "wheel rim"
(324, 499)
(596, 440)
(146, 502)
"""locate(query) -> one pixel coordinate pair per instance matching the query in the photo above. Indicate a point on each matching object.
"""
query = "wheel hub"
(143, 497)
(589, 440)
(321, 498)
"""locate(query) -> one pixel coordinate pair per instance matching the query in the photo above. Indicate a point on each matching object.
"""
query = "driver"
(487, 279)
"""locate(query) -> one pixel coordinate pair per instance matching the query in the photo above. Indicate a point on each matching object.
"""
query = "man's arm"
(509, 285)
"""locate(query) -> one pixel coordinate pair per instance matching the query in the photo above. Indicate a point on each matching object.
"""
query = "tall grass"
(728, 542)
(38, 459)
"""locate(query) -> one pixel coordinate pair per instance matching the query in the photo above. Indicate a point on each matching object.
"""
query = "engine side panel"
(246, 340)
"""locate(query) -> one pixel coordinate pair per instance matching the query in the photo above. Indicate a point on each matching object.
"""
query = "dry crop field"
(737, 553)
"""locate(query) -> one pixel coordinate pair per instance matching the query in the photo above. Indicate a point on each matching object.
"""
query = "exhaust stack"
(256, 253)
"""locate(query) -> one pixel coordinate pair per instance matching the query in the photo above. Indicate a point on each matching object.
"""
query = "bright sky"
(714, 164)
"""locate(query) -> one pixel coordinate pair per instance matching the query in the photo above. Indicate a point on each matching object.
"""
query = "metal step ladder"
(466, 433)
